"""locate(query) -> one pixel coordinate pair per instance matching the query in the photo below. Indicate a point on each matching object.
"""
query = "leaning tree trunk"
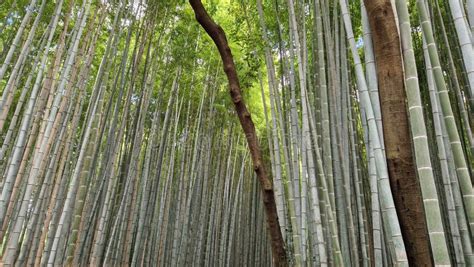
(218, 36)
(402, 170)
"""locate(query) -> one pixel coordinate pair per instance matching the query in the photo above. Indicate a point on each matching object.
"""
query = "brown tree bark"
(218, 36)
(401, 165)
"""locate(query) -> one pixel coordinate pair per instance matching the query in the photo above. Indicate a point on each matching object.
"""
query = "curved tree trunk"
(218, 36)
(402, 171)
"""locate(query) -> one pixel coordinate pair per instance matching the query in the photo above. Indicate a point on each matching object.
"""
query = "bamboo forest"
(236, 132)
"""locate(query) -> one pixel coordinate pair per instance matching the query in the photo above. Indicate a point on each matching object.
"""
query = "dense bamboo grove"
(120, 144)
